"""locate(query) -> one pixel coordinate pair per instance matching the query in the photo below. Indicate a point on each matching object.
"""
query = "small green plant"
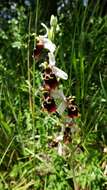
(52, 95)
(46, 140)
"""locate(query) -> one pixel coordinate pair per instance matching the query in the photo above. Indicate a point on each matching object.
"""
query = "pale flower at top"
(44, 42)
(58, 72)
(47, 43)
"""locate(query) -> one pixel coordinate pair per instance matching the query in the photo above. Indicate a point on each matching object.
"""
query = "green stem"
(76, 187)
(33, 92)
(28, 63)
(74, 178)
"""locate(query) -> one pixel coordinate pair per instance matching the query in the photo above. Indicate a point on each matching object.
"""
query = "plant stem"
(76, 187)
(28, 63)
(74, 178)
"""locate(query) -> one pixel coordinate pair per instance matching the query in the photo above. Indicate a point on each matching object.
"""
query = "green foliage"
(26, 160)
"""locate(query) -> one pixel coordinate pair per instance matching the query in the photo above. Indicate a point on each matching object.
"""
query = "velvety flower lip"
(69, 105)
(49, 105)
(72, 111)
(58, 72)
(49, 78)
(47, 70)
(67, 135)
(72, 108)
(38, 50)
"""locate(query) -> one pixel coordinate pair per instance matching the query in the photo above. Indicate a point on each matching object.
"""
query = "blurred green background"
(26, 161)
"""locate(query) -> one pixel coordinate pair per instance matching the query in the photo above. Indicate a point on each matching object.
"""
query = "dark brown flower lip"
(72, 108)
(48, 70)
(50, 81)
(37, 53)
(40, 45)
(49, 104)
(67, 135)
(72, 111)
(38, 50)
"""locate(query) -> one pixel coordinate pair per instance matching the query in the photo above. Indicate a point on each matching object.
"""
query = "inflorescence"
(53, 98)
(51, 75)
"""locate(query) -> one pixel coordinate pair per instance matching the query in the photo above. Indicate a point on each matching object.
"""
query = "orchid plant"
(51, 76)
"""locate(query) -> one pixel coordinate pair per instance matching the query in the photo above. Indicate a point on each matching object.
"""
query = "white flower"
(45, 41)
(51, 59)
(58, 72)
(47, 44)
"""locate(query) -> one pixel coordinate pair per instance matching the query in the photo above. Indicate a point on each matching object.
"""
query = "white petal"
(59, 73)
(61, 94)
(46, 29)
(60, 149)
(59, 138)
(51, 59)
(49, 45)
(61, 108)
(58, 94)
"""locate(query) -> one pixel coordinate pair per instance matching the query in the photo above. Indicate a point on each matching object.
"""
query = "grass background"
(26, 161)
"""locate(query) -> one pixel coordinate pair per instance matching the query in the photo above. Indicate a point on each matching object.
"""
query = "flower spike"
(51, 75)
